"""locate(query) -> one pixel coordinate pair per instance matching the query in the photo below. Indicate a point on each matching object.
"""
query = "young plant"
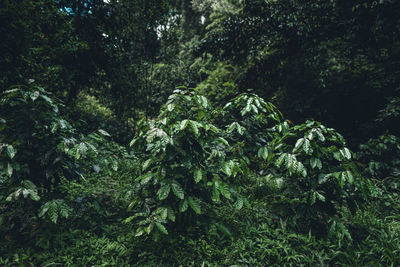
(30, 130)
(188, 165)
(37, 148)
(320, 175)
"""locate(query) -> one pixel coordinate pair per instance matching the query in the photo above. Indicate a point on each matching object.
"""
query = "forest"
(200, 133)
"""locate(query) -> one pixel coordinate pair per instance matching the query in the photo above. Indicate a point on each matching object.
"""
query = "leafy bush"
(30, 132)
(381, 156)
(380, 160)
(188, 164)
(38, 150)
(249, 121)
(319, 176)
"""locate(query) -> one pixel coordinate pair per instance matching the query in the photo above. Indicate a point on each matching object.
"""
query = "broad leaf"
(313, 162)
(163, 192)
(183, 205)
(34, 95)
(194, 127)
(227, 168)
(178, 190)
(146, 164)
(11, 151)
(161, 228)
(239, 203)
(299, 143)
(171, 214)
(195, 205)
(224, 189)
(198, 175)
(104, 132)
(183, 124)
(307, 147)
(9, 170)
(263, 153)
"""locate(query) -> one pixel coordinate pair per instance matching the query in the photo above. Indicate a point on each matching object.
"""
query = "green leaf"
(163, 213)
(246, 110)
(34, 195)
(350, 177)
(254, 108)
(311, 135)
(203, 101)
(53, 216)
(345, 152)
(171, 214)
(216, 193)
(290, 161)
(234, 125)
(104, 132)
(307, 147)
(319, 164)
(146, 164)
(320, 196)
(195, 205)
(139, 232)
(302, 169)
(211, 127)
(45, 207)
(224, 189)
(114, 164)
(223, 141)
(47, 99)
(9, 170)
(198, 175)
(163, 192)
(337, 156)
(178, 190)
(298, 144)
(82, 148)
(26, 192)
(227, 168)
(313, 198)
(347, 175)
(34, 95)
(223, 229)
(332, 229)
(54, 127)
(161, 228)
(183, 124)
(144, 178)
(263, 153)
(170, 107)
(149, 228)
(194, 127)
(344, 231)
(313, 162)
(183, 205)
(11, 151)
(239, 203)
(321, 137)
(280, 160)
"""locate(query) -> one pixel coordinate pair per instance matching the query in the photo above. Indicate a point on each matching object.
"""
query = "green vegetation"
(129, 135)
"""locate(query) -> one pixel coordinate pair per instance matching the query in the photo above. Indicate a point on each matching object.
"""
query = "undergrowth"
(238, 186)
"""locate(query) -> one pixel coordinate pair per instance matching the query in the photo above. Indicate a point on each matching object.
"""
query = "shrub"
(38, 147)
(31, 128)
(249, 122)
(319, 177)
(188, 165)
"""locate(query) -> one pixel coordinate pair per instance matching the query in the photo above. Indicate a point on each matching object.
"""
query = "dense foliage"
(150, 133)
